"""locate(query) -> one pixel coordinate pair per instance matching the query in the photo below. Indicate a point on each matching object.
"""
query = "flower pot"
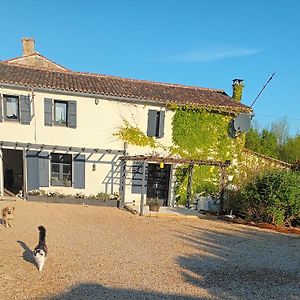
(153, 206)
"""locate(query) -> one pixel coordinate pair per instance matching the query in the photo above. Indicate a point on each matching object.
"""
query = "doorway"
(12, 171)
(158, 183)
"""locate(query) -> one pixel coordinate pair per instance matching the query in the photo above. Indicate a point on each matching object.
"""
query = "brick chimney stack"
(28, 46)
(237, 87)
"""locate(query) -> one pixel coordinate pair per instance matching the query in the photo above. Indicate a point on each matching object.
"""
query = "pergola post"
(122, 182)
(189, 185)
(222, 183)
(143, 189)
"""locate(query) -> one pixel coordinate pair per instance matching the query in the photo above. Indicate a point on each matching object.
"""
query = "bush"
(273, 197)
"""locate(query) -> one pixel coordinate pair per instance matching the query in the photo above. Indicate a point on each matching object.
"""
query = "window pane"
(55, 168)
(60, 113)
(66, 169)
(61, 169)
(12, 108)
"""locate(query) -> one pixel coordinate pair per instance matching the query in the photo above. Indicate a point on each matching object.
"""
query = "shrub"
(273, 197)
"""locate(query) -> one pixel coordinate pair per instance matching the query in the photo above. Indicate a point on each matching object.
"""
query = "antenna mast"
(262, 89)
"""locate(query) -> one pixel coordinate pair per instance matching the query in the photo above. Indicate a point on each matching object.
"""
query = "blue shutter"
(1, 110)
(32, 170)
(48, 115)
(137, 177)
(25, 109)
(44, 163)
(152, 117)
(72, 111)
(161, 129)
(79, 171)
(37, 169)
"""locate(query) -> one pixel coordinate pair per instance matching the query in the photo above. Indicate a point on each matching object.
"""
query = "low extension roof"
(117, 87)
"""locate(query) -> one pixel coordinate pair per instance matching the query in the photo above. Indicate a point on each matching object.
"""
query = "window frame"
(61, 173)
(5, 97)
(55, 123)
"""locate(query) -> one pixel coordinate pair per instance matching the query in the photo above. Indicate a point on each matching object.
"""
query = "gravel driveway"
(106, 253)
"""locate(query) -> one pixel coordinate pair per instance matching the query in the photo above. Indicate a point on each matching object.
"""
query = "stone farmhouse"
(73, 132)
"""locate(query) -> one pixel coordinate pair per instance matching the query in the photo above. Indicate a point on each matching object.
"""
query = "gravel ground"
(106, 253)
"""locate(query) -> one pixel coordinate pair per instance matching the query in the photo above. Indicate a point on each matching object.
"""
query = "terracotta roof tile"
(118, 87)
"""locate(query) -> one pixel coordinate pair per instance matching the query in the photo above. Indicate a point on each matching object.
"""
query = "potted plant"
(154, 205)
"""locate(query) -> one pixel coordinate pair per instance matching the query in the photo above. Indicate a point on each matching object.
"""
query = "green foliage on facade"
(201, 135)
(273, 197)
(238, 91)
(135, 136)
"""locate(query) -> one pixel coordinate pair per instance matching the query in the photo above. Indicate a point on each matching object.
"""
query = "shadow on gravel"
(96, 291)
(27, 253)
(242, 263)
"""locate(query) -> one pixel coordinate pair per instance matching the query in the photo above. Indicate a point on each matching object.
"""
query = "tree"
(264, 142)
(290, 151)
(269, 144)
(281, 130)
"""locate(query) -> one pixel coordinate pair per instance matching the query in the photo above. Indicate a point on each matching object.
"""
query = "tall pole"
(143, 189)
(189, 186)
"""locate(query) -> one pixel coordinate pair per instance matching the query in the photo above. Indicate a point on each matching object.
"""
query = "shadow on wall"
(89, 291)
(243, 264)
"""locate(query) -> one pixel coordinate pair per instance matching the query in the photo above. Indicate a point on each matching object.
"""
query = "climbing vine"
(202, 135)
(134, 136)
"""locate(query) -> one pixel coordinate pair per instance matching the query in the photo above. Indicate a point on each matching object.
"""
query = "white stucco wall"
(95, 127)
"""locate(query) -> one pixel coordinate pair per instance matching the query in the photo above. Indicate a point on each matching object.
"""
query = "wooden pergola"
(171, 160)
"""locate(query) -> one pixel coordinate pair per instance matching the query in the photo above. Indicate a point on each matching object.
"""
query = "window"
(60, 113)
(11, 108)
(156, 123)
(61, 169)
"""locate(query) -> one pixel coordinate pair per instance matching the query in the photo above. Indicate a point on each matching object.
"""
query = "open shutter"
(79, 171)
(137, 177)
(72, 111)
(161, 129)
(32, 170)
(37, 169)
(44, 163)
(152, 117)
(1, 110)
(25, 109)
(48, 114)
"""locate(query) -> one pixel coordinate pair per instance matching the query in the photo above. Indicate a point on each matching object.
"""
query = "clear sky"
(205, 43)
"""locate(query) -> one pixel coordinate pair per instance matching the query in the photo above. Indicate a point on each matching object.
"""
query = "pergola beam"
(41, 147)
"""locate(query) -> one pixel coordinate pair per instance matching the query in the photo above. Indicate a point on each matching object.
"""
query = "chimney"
(237, 87)
(28, 46)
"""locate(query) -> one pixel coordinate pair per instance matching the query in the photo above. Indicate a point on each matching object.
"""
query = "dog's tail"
(42, 230)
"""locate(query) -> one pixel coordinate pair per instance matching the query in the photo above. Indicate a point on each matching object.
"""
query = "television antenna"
(262, 89)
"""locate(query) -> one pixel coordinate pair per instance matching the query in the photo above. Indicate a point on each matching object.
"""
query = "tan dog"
(7, 214)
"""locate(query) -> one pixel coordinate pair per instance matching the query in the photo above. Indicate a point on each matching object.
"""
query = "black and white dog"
(40, 251)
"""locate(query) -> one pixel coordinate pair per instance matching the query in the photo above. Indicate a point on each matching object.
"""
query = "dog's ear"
(13, 208)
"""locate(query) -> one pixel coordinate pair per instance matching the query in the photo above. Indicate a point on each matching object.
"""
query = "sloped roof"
(36, 60)
(117, 87)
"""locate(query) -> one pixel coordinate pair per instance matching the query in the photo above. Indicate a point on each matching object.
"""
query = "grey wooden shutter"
(44, 163)
(72, 111)
(137, 177)
(161, 129)
(25, 109)
(79, 171)
(152, 117)
(32, 170)
(37, 169)
(1, 110)
(48, 114)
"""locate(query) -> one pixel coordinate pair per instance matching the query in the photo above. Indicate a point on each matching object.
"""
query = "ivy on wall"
(203, 135)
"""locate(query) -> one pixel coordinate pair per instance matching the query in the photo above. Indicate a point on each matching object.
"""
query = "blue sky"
(195, 42)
